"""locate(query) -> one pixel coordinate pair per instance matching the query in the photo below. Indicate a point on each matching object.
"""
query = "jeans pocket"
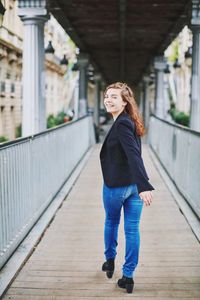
(136, 188)
(137, 193)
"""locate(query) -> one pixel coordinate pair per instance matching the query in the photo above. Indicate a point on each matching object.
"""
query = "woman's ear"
(124, 103)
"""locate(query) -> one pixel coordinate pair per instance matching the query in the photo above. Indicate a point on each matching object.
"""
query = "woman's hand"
(147, 197)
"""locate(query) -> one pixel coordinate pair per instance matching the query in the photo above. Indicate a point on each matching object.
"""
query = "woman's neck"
(117, 114)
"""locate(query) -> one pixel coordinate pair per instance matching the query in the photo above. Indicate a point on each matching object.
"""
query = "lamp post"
(2, 11)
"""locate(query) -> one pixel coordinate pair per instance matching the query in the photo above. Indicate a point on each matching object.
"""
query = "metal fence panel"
(178, 149)
(32, 171)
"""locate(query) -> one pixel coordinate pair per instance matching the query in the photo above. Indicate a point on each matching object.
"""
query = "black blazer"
(120, 156)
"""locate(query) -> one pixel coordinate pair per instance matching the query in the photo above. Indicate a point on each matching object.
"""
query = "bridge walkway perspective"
(66, 263)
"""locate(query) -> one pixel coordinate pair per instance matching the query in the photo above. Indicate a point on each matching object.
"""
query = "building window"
(2, 87)
(12, 87)
(2, 121)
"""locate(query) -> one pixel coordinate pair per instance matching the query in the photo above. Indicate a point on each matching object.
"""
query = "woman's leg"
(132, 213)
(113, 201)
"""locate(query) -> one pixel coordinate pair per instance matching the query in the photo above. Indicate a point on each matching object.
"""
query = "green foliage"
(60, 117)
(53, 121)
(179, 116)
(3, 139)
(182, 118)
(18, 131)
(175, 51)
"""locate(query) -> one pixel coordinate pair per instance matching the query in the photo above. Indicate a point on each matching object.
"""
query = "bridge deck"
(66, 264)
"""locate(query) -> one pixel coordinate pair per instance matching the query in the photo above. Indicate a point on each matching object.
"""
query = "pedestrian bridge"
(51, 217)
(51, 214)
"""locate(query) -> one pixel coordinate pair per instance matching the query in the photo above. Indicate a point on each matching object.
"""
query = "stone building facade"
(58, 81)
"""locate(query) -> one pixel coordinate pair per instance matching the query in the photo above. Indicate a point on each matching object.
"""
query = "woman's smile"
(109, 105)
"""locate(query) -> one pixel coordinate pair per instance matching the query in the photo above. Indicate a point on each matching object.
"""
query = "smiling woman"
(113, 102)
(126, 183)
(121, 97)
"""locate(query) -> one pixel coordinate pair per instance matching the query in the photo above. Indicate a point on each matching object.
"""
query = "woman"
(125, 180)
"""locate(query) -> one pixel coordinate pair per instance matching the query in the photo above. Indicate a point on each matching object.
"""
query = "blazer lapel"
(122, 113)
(109, 131)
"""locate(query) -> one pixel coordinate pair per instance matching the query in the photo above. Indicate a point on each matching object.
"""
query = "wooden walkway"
(66, 264)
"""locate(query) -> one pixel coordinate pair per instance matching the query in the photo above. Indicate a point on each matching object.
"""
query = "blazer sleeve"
(125, 132)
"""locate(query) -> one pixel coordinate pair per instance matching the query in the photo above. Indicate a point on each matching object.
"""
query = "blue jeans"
(114, 198)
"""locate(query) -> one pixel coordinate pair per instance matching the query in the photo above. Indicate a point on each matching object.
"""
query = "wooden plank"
(112, 291)
(49, 297)
(62, 276)
(83, 264)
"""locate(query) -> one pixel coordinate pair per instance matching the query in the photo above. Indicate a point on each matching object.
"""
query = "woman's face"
(113, 101)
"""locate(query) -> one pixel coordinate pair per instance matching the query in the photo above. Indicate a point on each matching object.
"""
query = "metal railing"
(32, 171)
(178, 149)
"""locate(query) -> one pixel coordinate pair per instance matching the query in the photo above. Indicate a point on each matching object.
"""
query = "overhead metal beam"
(118, 33)
(56, 9)
(122, 37)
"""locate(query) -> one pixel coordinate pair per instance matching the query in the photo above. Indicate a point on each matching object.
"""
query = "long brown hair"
(131, 107)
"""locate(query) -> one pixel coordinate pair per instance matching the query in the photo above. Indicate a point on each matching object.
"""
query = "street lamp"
(75, 67)
(177, 64)
(49, 51)
(167, 69)
(64, 63)
(2, 11)
(188, 57)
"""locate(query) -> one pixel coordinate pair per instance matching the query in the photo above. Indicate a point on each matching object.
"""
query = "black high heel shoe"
(108, 267)
(126, 283)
